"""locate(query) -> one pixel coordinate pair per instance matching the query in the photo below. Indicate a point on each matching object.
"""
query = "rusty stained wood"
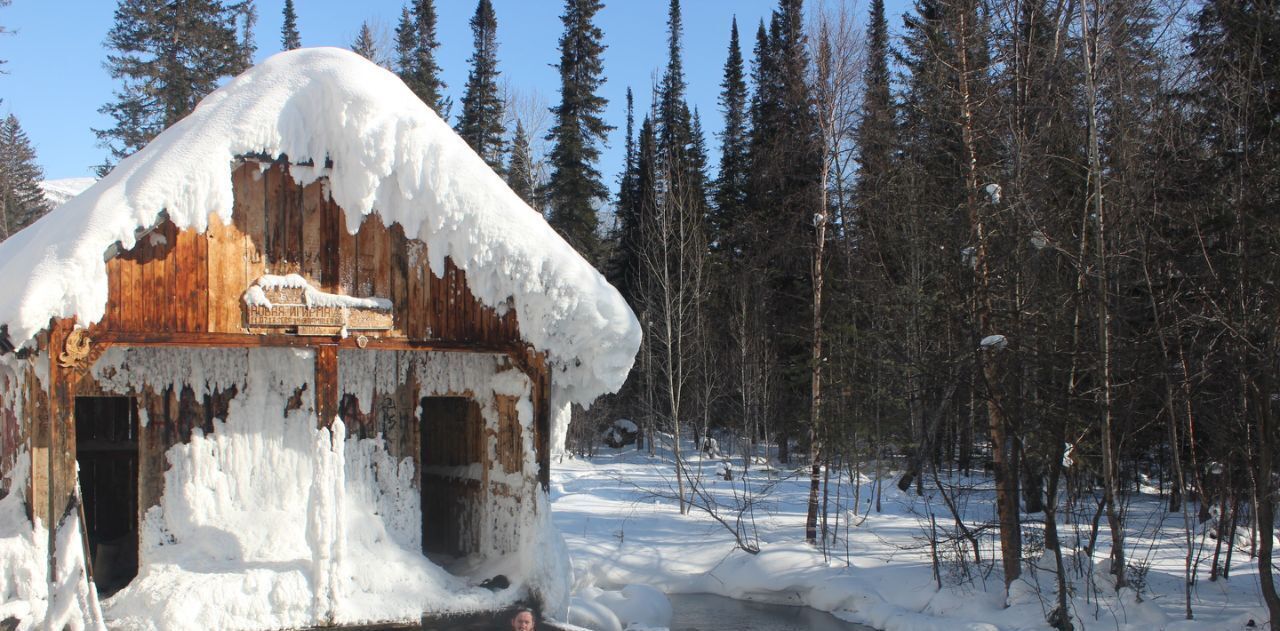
(36, 413)
(61, 445)
(507, 442)
(534, 365)
(37, 410)
(175, 281)
(326, 380)
(13, 430)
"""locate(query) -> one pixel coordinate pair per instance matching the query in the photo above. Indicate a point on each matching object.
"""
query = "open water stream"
(691, 612)
(705, 612)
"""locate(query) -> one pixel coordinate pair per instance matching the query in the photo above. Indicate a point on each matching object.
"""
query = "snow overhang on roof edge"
(388, 152)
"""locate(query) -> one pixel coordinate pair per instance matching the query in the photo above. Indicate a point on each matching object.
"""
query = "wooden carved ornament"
(76, 349)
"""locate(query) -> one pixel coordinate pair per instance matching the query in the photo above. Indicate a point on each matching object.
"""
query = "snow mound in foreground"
(390, 154)
(633, 607)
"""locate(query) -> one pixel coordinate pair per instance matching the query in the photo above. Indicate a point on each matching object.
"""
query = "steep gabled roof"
(389, 152)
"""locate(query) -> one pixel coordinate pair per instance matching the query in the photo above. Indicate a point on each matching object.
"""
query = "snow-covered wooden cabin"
(306, 352)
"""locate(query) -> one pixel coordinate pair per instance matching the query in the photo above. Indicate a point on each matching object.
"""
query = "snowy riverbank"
(619, 517)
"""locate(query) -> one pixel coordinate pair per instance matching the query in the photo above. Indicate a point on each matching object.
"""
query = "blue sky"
(55, 80)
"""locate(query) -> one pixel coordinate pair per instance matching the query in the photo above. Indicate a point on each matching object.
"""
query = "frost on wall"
(24, 587)
(13, 432)
(513, 532)
(267, 519)
(381, 376)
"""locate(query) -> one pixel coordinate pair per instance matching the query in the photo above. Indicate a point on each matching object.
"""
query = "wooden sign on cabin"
(291, 304)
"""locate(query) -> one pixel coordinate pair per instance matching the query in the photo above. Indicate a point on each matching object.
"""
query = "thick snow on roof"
(389, 153)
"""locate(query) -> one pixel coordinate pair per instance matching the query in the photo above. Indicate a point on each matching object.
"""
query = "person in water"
(523, 620)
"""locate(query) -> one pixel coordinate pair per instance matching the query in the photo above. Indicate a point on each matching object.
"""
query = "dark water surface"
(705, 612)
(691, 612)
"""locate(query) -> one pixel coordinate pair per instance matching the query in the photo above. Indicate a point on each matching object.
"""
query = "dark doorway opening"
(107, 451)
(451, 441)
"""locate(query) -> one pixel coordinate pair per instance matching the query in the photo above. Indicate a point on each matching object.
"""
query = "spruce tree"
(406, 45)
(731, 184)
(366, 45)
(685, 176)
(416, 46)
(673, 110)
(21, 199)
(168, 55)
(290, 38)
(626, 264)
(521, 171)
(875, 134)
(248, 19)
(574, 187)
(480, 123)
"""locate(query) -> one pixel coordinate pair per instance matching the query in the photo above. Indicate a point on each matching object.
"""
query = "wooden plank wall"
(37, 412)
(175, 281)
(161, 284)
(509, 446)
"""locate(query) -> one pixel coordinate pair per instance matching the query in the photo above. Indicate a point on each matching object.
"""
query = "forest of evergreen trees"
(1029, 237)
(1032, 238)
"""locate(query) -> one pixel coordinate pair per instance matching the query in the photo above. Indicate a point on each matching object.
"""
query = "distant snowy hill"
(60, 190)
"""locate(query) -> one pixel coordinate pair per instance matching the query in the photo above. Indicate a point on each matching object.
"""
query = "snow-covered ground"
(619, 516)
(60, 190)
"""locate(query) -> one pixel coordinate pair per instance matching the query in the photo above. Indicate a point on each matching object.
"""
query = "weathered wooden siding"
(175, 281)
(161, 284)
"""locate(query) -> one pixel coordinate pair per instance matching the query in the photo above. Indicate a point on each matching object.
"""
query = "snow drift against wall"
(390, 154)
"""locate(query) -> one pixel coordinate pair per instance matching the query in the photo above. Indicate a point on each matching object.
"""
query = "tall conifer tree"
(290, 38)
(21, 199)
(521, 172)
(731, 184)
(416, 46)
(480, 123)
(786, 163)
(626, 255)
(168, 55)
(673, 110)
(875, 132)
(366, 45)
(575, 188)
(248, 21)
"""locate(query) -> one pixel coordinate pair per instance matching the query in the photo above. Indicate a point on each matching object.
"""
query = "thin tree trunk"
(1060, 617)
(1110, 451)
(1005, 475)
(1265, 503)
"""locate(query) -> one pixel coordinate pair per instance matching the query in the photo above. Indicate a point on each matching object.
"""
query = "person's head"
(523, 620)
